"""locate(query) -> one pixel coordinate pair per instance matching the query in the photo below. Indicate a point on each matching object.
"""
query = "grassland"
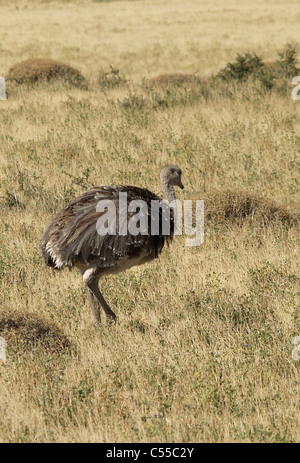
(202, 351)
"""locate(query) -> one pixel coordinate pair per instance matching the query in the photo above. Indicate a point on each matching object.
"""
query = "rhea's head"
(171, 175)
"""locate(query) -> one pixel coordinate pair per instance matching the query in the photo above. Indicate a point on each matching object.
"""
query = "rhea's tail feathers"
(49, 259)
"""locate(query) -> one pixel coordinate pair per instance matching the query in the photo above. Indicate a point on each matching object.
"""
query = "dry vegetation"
(203, 347)
(167, 80)
(28, 332)
(228, 206)
(44, 70)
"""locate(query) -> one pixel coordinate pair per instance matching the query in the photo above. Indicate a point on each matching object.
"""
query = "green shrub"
(242, 67)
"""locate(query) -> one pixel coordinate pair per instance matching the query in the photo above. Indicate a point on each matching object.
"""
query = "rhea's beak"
(180, 185)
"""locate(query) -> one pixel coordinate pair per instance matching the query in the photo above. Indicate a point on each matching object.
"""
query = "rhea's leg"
(91, 278)
(94, 305)
(110, 315)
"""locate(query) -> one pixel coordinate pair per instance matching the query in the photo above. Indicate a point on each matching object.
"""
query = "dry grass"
(294, 208)
(45, 70)
(165, 80)
(203, 347)
(111, 78)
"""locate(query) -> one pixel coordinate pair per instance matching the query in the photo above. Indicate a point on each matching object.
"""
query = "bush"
(45, 70)
(223, 206)
(270, 73)
(242, 67)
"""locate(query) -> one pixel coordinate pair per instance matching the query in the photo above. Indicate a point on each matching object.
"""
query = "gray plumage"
(72, 240)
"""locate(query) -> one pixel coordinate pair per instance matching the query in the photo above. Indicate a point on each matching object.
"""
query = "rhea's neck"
(168, 190)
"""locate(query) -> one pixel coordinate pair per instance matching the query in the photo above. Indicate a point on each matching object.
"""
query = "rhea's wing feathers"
(73, 235)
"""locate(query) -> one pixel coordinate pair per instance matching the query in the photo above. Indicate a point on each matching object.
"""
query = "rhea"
(72, 238)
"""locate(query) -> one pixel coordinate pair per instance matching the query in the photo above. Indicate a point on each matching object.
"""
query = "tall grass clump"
(111, 78)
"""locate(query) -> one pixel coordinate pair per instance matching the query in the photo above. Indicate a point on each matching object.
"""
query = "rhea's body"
(72, 238)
